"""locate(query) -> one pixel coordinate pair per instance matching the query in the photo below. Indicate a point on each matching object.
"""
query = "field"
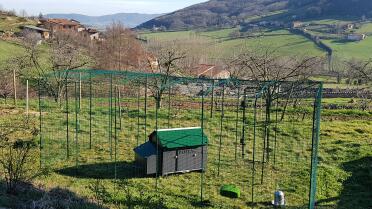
(344, 176)
(287, 43)
(12, 23)
(223, 46)
(8, 50)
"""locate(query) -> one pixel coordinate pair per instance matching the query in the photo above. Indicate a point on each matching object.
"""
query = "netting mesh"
(263, 136)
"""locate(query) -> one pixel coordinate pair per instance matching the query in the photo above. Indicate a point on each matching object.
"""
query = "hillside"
(215, 13)
(230, 13)
(128, 19)
(12, 23)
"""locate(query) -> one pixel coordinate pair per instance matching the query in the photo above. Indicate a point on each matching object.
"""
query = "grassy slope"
(346, 49)
(359, 50)
(8, 50)
(287, 43)
(346, 141)
(12, 23)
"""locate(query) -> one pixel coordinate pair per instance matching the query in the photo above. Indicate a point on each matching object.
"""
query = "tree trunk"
(158, 102)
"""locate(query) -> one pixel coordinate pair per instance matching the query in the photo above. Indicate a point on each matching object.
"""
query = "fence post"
(27, 106)
(14, 87)
(314, 146)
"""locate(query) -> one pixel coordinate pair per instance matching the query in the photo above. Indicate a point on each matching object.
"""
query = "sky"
(97, 7)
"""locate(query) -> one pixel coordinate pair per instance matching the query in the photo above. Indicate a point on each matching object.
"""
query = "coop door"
(169, 162)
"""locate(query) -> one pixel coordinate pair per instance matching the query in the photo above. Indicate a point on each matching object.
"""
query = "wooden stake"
(14, 87)
(27, 106)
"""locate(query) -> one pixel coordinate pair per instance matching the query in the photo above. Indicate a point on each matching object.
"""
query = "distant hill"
(229, 13)
(128, 19)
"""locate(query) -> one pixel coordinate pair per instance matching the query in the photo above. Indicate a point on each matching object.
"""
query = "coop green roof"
(181, 137)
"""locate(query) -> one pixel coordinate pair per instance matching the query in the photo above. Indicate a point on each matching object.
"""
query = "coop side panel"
(191, 159)
(169, 162)
(151, 165)
(197, 165)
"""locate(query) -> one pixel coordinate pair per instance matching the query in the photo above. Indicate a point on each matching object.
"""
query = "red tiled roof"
(63, 22)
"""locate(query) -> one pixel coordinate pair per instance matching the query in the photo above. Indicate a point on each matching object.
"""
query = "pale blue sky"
(97, 7)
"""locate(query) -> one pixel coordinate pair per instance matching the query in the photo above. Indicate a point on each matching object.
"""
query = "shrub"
(18, 158)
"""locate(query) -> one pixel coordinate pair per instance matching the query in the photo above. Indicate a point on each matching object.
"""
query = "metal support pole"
(242, 140)
(146, 86)
(90, 110)
(27, 99)
(169, 105)
(157, 145)
(202, 160)
(119, 106)
(80, 90)
(221, 129)
(237, 124)
(67, 121)
(110, 118)
(265, 143)
(40, 125)
(254, 148)
(314, 146)
(116, 131)
(77, 109)
(138, 115)
(212, 100)
(276, 131)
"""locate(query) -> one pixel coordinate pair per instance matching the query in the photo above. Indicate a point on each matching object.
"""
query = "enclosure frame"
(208, 88)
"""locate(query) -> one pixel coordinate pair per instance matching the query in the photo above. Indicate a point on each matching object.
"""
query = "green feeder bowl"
(230, 191)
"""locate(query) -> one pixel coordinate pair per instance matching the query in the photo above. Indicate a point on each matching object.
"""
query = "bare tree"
(66, 52)
(13, 69)
(266, 64)
(6, 88)
(120, 51)
(168, 57)
(361, 70)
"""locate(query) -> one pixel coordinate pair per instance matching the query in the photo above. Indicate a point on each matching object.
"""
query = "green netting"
(262, 136)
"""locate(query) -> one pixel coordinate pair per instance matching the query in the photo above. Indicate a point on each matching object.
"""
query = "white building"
(356, 37)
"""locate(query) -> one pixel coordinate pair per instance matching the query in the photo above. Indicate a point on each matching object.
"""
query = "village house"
(65, 25)
(349, 26)
(56, 25)
(356, 37)
(297, 24)
(93, 34)
(210, 71)
(43, 33)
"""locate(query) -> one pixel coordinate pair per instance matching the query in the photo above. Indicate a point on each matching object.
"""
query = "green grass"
(348, 50)
(345, 144)
(366, 28)
(8, 50)
(13, 23)
(287, 43)
(222, 46)
(343, 48)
